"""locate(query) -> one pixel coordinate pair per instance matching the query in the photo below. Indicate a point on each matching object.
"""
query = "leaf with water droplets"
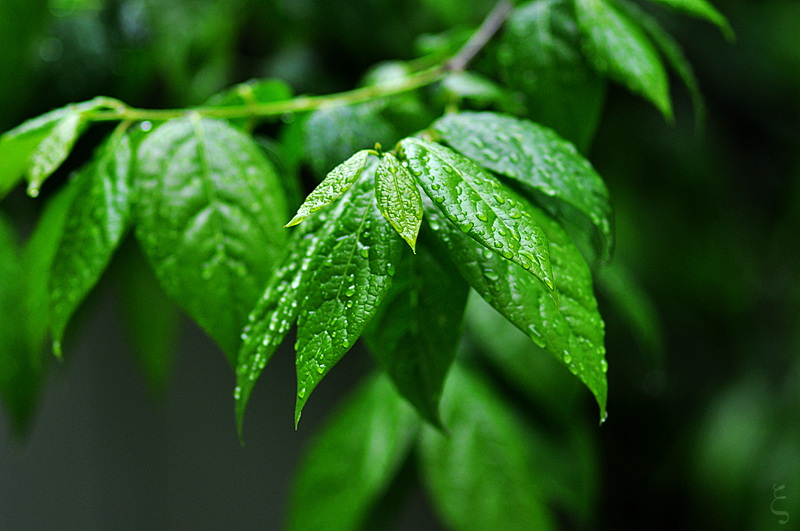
(277, 309)
(351, 463)
(37, 147)
(618, 48)
(570, 329)
(483, 471)
(347, 286)
(208, 215)
(480, 205)
(398, 198)
(539, 159)
(416, 331)
(97, 219)
(338, 181)
(702, 10)
(540, 55)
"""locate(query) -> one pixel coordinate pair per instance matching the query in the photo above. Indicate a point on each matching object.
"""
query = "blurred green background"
(702, 302)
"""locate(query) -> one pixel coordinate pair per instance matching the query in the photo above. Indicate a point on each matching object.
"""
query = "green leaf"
(571, 329)
(538, 158)
(37, 147)
(702, 10)
(98, 218)
(337, 182)
(540, 55)
(332, 134)
(673, 53)
(479, 204)
(278, 307)
(353, 270)
(417, 329)
(398, 198)
(483, 471)
(250, 94)
(208, 215)
(618, 48)
(353, 460)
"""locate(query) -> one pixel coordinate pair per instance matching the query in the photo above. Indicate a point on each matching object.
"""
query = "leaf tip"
(294, 221)
(57, 352)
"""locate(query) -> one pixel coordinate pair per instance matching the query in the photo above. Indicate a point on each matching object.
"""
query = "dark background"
(704, 397)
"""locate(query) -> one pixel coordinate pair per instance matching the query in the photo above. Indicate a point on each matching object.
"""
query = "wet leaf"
(398, 198)
(353, 268)
(702, 10)
(618, 48)
(37, 147)
(97, 219)
(208, 215)
(352, 462)
(482, 472)
(479, 205)
(540, 55)
(337, 182)
(538, 158)
(417, 329)
(571, 329)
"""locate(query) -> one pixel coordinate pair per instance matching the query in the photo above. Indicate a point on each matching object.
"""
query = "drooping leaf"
(479, 205)
(540, 55)
(37, 147)
(208, 215)
(673, 53)
(353, 460)
(334, 133)
(278, 307)
(702, 10)
(482, 472)
(474, 88)
(619, 49)
(398, 198)
(416, 331)
(353, 269)
(98, 218)
(337, 182)
(538, 158)
(571, 329)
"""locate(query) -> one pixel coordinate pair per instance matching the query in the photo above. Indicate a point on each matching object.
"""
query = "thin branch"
(481, 37)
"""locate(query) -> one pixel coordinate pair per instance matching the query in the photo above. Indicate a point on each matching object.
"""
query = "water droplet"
(566, 357)
(604, 366)
(301, 392)
(146, 126)
(435, 186)
(33, 190)
(491, 275)
(350, 291)
(364, 253)
(466, 227)
(439, 199)
(483, 217)
(320, 369)
(391, 269)
(499, 198)
(237, 393)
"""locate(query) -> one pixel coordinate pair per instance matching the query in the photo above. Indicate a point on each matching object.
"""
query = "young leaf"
(416, 331)
(483, 471)
(540, 55)
(208, 215)
(702, 10)
(353, 270)
(536, 157)
(96, 222)
(338, 181)
(618, 48)
(398, 198)
(479, 204)
(250, 94)
(571, 329)
(39, 146)
(351, 463)
(277, 309)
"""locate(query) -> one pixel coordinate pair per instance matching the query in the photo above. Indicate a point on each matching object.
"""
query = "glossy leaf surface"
(353, 460)
(536, 157)
(337, 182)
(418, 327)
(208, 214)
(98, 218)
(398, 198)
(353, 268)
(483, 472)
(540, 55)
(571, 329)
(479, 205)
(618, 48)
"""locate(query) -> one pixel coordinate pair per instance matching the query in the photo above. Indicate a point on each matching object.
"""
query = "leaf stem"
(458, 62)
